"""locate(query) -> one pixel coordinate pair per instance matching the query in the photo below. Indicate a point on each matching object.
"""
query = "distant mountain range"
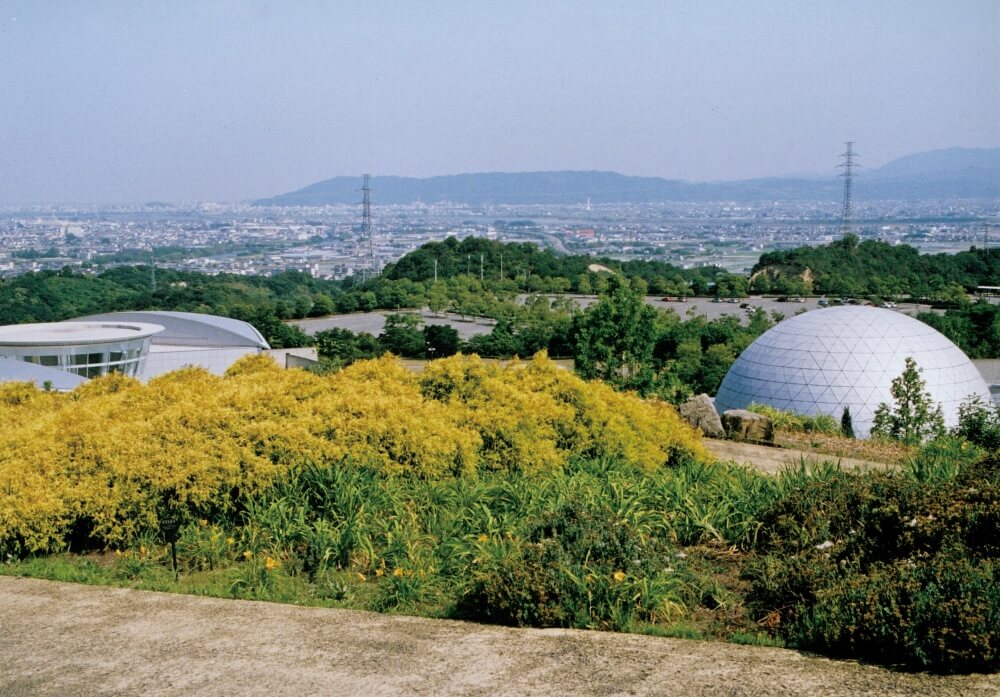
(956, 173)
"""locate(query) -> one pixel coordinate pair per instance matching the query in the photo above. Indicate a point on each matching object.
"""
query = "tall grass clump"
(798, 423)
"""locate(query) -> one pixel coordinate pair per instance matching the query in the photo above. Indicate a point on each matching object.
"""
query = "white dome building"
(822, 361)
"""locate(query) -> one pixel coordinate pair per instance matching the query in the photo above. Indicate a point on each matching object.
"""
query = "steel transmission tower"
(366, 222)
(848, 165)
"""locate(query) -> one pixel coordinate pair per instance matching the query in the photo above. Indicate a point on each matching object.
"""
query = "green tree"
(437, 297)
(614, 339)
(322, 305)
(441, 341)
(346, 346)
(913, 419)
(402, 336)
(847, 423)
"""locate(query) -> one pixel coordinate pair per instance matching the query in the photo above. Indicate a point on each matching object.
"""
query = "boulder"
(741, 424)
(700, 412)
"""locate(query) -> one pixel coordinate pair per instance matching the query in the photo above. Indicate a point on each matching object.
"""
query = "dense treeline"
(975, 328)
(845, 267)
(525, 267)
(620, 340)
(53, 296)
(853, 268)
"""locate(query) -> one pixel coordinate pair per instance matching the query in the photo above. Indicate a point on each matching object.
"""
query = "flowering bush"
(94, 466)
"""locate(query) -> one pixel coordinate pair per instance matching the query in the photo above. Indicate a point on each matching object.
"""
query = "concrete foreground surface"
(64, 639)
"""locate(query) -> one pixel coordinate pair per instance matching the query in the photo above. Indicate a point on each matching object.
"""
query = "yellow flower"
(379, 572)
(202, 522)
(619, 576)
(361, 577)
(483, 538)
(271, 564)
(230, 540)
(397, 572)
(143, 550)
(247, 554)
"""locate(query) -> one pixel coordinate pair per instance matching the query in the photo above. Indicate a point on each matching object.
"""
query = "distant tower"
(848, 165)
(366, 221)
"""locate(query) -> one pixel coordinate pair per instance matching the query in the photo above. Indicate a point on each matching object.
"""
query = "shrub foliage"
(886, 568)
(97, 464)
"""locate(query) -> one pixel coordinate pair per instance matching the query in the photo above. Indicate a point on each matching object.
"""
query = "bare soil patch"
(64, 639)
(773, 459)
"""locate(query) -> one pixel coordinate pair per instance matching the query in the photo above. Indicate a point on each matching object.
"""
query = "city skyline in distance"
(116, 103)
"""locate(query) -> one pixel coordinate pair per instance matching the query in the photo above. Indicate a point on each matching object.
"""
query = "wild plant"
(256, 577)
(205, 546)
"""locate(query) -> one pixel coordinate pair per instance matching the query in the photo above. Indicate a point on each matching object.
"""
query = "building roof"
(19, 371)
(75, 333)
(191, 328)
(824, 360)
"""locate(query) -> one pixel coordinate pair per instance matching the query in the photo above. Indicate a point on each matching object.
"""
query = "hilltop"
(940, 174)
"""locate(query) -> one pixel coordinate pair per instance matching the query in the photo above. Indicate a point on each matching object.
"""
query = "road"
(64, 640)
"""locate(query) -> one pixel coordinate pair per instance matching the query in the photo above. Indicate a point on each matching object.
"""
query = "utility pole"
(435, 270)
(366, 222)
(847, 214)
(152, 273)
(480, 268)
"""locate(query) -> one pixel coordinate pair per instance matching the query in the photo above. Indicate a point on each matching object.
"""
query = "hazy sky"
(200, 101)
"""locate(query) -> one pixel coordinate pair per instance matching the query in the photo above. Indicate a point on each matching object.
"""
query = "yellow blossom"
(230, 540)
(483, 538)
(619, 576)
(271, 564)
(397, 572)
(247, 554)
(379, 572)
(361, 577)
(203, 522)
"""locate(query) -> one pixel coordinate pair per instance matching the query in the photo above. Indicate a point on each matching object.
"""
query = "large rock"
(741, 424)
(700, 412)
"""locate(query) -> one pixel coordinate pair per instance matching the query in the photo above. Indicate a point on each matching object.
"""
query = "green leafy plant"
(913, 419)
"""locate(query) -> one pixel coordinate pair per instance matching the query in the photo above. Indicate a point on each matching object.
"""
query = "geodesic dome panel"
(824, 360)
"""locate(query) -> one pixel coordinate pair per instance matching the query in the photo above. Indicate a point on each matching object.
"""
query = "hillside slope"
(939, 174)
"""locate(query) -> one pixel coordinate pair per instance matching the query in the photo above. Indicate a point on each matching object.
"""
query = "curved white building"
(43, 377)
(86, 349)
(824, 360)
(189, 338)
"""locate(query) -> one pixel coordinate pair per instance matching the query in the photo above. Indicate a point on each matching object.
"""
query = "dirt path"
(771, 460)
(63, 639)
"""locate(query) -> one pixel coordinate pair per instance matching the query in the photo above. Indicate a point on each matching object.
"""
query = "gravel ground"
(67, 640)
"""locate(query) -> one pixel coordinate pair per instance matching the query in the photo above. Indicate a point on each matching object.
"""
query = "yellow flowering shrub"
(102, 458)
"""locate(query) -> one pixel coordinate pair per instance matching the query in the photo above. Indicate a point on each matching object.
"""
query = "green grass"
(698, 551)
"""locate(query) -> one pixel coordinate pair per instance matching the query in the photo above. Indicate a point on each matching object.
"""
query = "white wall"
(162, 360)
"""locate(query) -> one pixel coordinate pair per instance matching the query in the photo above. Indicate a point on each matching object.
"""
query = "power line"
(366, 222)
(848, 165)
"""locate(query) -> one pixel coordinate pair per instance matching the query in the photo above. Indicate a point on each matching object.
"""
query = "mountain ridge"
(952, 173)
